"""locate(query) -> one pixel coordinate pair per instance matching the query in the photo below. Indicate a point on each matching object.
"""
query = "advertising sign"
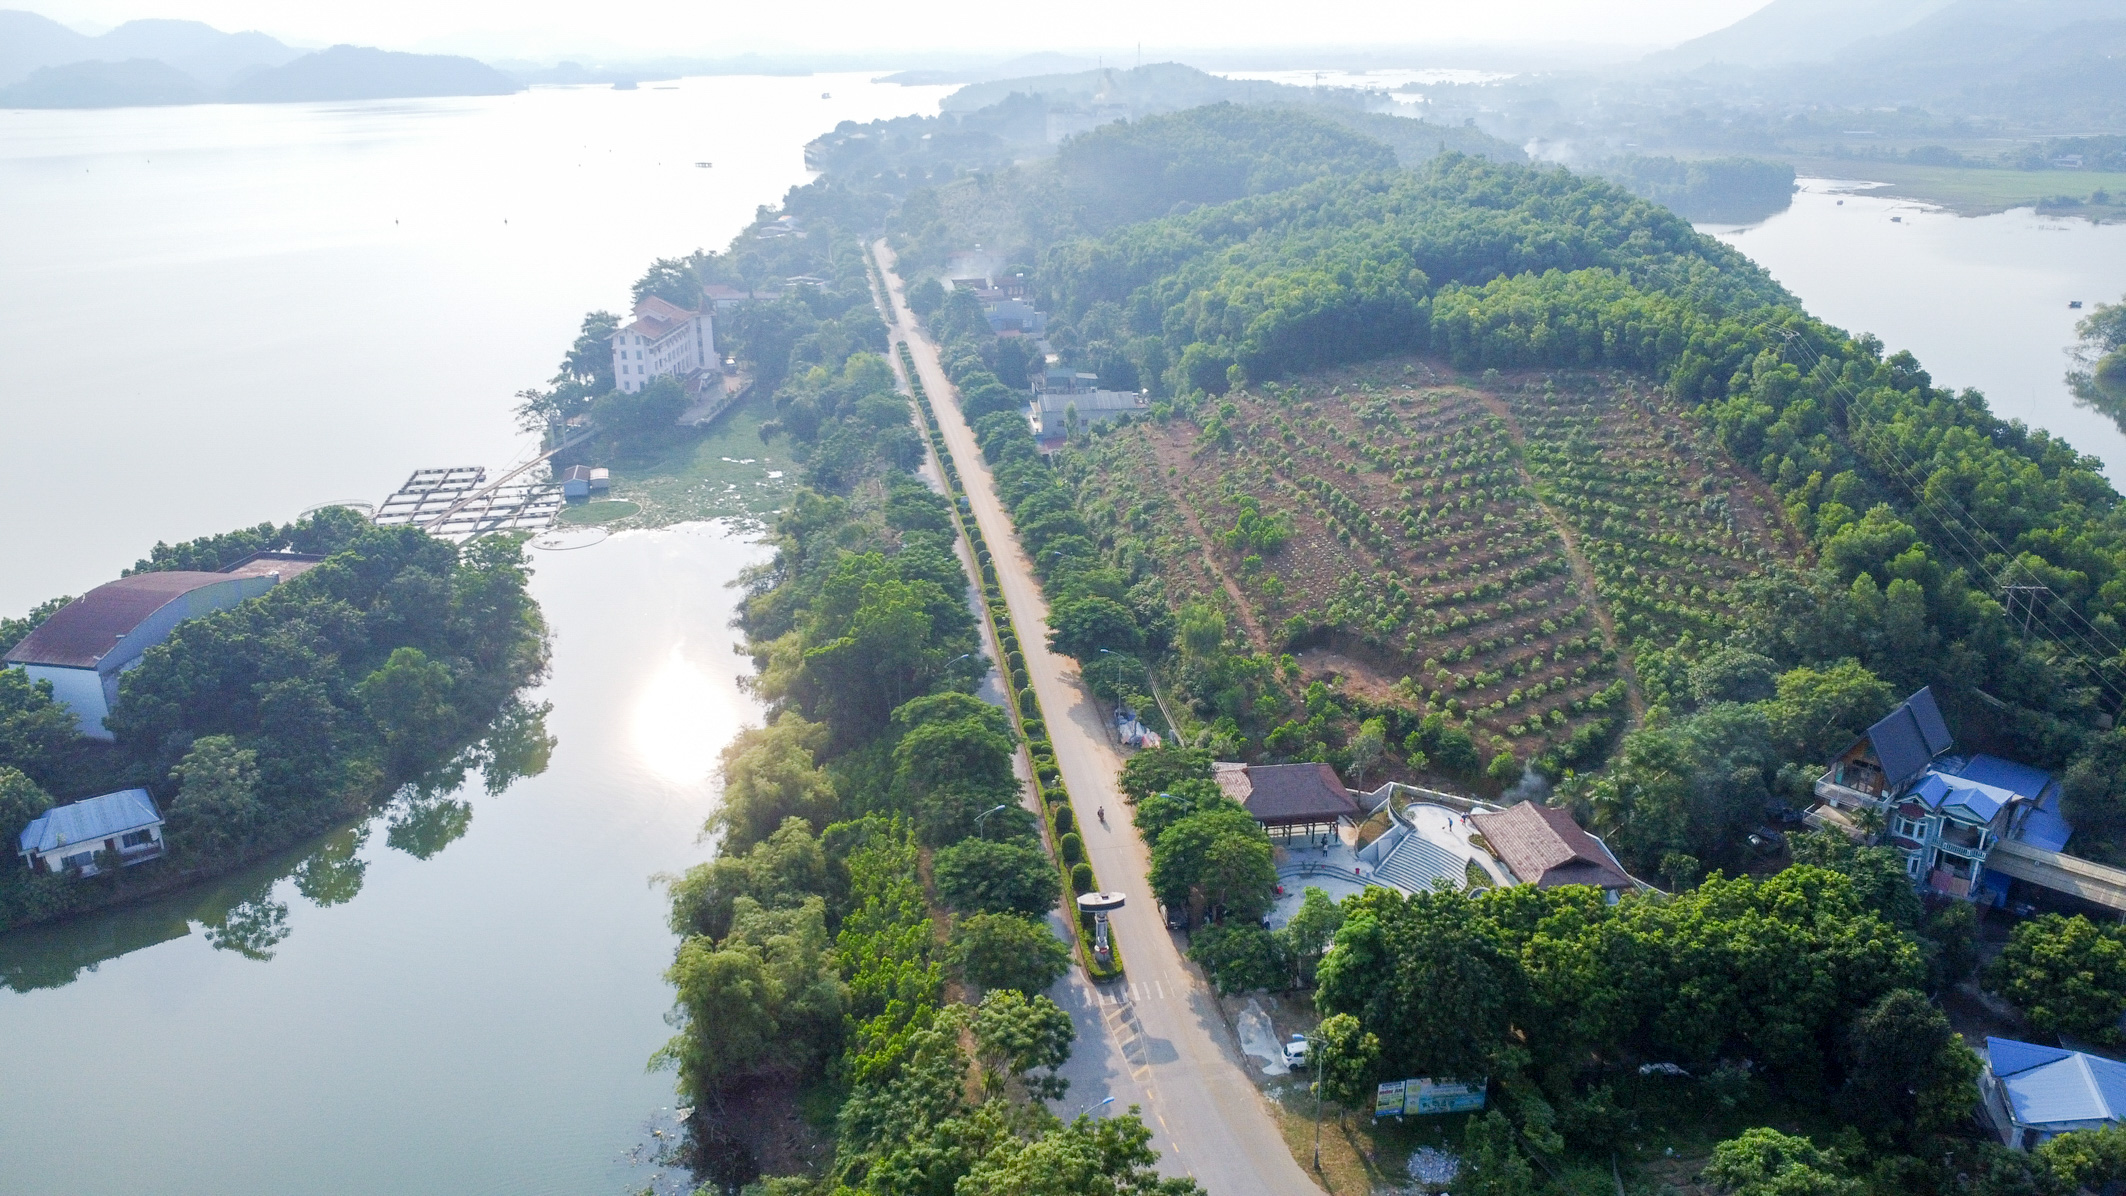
(1388, 1101)
(1444, 1096)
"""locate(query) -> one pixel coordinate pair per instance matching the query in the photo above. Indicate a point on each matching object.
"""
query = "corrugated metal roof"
(2020, 779)
(80, 633)
(90, 820)
(1927, 714)
(1946, 791)
(2052, 1086)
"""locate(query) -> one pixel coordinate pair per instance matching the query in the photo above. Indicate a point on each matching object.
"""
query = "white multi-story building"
(662, 339)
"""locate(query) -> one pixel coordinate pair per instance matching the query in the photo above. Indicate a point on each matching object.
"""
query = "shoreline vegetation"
(869, 947)
(379, 678)
(1367, 383)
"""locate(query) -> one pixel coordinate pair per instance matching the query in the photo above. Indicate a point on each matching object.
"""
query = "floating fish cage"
(458, 503)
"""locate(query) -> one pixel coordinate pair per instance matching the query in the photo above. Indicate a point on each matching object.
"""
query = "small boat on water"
(1897, 220)
(826, 95)
(2074, 303)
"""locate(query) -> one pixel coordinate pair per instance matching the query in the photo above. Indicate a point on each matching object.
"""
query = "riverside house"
(95, 833)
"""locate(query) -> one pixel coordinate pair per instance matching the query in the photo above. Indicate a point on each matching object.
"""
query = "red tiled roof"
(1546, 848)
(83, 631)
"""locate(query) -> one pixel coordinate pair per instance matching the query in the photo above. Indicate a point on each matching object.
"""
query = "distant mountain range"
(43, 64)
(2060, 62)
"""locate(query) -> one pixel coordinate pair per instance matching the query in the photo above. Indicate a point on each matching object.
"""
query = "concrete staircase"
(1415, 862)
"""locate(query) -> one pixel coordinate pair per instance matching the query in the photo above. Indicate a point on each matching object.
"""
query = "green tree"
(988, 876)
(1240, 957)
(1312, 928)
(1222, 857)
(1422, 974)
(770, 775)
(1765, 1162)
(1161, 768)
(21, 803)
(1007, 951)
(35, 730)
(1367, 747)
(410, 701)
(1820, 710)
(1492, 1163)
(1906, 1068)
(1019, 1035)
(781, 870)
(1348, 1058)
(2067, 974)
(1108, 1157)
(926, 296)
(1081, 627)
(217, 811)
(2086, 1160)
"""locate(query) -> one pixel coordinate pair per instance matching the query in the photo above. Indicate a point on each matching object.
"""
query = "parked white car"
(1295, 1051)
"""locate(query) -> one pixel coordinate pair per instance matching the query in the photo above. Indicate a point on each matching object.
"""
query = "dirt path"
(1582, 572)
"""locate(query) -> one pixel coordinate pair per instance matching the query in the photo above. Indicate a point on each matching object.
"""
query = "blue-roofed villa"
(87, 836)
(1968, 825)
(2032, 1093)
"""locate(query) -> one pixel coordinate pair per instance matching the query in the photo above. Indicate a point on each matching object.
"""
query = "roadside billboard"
(1388, 1100)
(1420, 1097)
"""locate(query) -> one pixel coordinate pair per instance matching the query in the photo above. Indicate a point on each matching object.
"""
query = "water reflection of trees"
(2098, 377)
(247, 911)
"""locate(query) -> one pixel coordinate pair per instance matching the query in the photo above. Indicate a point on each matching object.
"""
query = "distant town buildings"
(88, 643)
(663, 340)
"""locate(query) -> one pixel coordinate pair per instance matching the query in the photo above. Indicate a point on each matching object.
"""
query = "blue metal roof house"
(1946, 812)
(2032, 1093)
(122, 828)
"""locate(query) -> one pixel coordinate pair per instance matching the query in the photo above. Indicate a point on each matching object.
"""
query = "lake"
(1981, 301)
(221, 315)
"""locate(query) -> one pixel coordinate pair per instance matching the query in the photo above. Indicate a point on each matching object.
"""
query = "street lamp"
(986, 813)
(1094, 1105)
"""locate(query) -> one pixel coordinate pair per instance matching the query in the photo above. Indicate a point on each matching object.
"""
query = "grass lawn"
(1971, 191)
(599, 512)
(719, 472)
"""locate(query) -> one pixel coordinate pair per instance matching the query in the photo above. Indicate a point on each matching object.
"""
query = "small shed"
(2034, 1093)
(576, 482)
(601, 479)
(84, 837)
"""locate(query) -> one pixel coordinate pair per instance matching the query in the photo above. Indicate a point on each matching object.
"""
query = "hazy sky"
(840, 26)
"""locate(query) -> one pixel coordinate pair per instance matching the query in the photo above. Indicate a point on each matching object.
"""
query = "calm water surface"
(217, 316)
(1980, 301)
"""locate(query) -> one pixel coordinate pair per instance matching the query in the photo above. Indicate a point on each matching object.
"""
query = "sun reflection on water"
(682, 720)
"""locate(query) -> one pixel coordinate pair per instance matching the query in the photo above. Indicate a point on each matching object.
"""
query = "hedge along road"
(1200, 1098)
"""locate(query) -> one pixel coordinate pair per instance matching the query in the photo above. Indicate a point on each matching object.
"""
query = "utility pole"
(1314, 1049)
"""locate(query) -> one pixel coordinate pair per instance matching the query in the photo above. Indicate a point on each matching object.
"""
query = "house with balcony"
(85, 837)
(1967, 825)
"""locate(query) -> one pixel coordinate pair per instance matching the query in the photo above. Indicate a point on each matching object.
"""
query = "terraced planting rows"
(1668, 522)
(1396, 522)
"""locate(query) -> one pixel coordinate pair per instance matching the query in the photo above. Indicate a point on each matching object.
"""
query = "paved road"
(1212, 1120)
